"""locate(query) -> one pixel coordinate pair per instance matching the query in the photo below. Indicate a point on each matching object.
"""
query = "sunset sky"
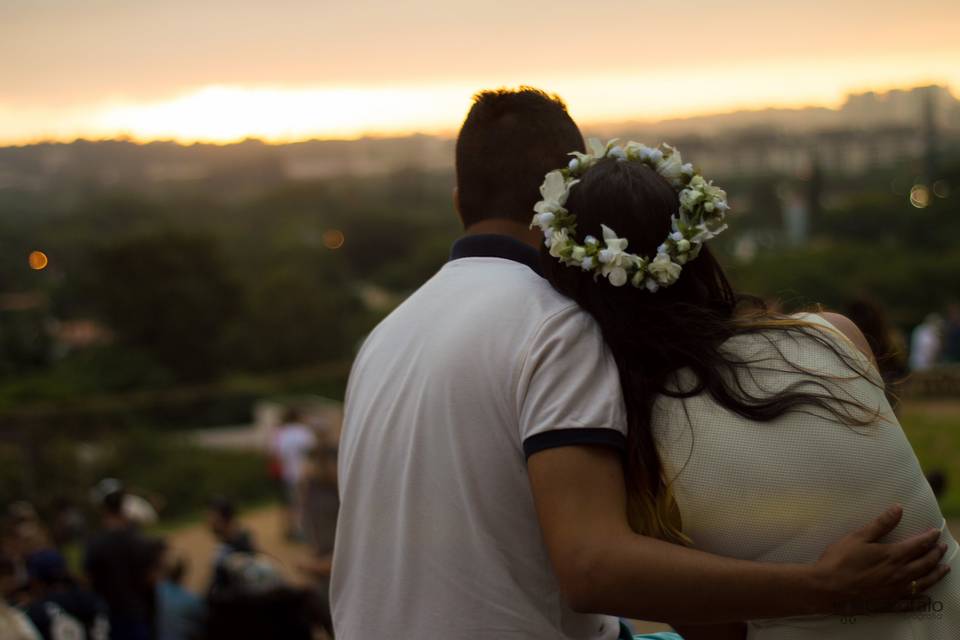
(289, 69)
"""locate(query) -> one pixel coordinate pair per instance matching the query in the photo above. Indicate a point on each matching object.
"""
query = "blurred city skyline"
(223, 71)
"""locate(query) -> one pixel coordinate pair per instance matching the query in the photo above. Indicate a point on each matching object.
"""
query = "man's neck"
(510, 228)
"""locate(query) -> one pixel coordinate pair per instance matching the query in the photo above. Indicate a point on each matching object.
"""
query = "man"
(232, 536)
(482, 492)
(120, 563)
(60, 608)
(292, 446)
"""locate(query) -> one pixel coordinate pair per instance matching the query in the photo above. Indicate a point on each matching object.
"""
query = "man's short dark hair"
(508, 142)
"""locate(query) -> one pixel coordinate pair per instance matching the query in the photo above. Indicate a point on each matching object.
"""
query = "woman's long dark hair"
(653, 336)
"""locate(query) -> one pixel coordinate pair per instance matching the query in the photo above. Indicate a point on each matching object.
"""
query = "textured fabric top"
(782, 491)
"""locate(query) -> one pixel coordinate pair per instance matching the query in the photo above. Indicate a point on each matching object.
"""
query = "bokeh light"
(333, 239)
(920, 196)
(38, 260)
(941, 188)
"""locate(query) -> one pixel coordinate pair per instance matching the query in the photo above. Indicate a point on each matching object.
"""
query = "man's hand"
(858, 574)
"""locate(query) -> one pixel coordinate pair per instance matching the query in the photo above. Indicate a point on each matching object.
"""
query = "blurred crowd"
(64, 578)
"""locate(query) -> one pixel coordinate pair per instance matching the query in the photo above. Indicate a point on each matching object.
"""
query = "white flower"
(613, 254)
(676, 236)
(637, 151)
(578, 253)
(618, 153)
(670, 167)
(708, 230)
(614, 258)
(596, 148)
(558, 243)
(544, 220)
(714, 193)
(574, 164)
(588, 263)
(683, 245)
(590, 240)
(664, 270)
(555, 188)
(651, 285)
(654, 156)
(690, 198)
(617, 276)
(714, 220)
(584, 161)
(687, 169)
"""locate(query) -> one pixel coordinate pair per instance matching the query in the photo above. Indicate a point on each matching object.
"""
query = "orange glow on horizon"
(277, 114)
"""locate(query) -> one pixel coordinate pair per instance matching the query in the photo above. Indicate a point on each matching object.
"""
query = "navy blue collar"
(496, 246)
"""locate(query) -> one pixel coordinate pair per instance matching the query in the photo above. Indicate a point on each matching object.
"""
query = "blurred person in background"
(60, 608)
(926, 343)
(248, 596)
(180, 612)
(887, 343)
(120, 565)
(69, 523)
(938, 482)
(232, 537)
(254, 601)
(14, 624)
(292, 444)
(11, 582)
(321, 503)
(951, 334)
(23, 535)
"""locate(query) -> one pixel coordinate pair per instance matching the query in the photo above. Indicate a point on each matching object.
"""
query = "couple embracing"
(577, 421)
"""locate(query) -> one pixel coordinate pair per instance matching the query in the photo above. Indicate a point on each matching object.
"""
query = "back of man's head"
(508, 142)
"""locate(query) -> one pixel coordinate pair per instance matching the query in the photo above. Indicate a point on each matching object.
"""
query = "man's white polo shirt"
(480, 368)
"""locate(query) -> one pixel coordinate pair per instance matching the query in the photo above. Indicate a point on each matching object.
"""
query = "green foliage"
(175, 474)
(184, 476)
(934, 432)
(168, 295)
(24, 342)
(909, 283)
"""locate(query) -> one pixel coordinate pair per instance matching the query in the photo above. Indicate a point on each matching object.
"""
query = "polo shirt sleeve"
(568, 391)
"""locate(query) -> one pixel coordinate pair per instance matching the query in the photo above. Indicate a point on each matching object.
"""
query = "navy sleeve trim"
(573, 437)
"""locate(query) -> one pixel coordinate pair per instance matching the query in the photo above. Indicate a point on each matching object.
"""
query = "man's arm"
(604, 567)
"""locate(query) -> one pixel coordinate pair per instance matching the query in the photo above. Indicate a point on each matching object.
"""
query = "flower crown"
(702, 216)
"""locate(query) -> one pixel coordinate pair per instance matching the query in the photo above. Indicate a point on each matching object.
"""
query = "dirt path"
(197, 545)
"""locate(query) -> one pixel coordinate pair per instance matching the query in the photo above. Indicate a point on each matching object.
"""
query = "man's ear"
(456, 205)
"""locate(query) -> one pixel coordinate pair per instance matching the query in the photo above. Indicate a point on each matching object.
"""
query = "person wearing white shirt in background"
(925, 343)
(292, 446)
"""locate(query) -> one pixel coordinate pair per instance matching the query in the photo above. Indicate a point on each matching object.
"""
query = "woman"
(751, 434)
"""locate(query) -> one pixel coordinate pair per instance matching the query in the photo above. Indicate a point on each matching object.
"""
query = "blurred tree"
(300, 311)
(25, 344)
(168, 295)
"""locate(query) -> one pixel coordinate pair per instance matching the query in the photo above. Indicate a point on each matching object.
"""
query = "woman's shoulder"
(844, 326)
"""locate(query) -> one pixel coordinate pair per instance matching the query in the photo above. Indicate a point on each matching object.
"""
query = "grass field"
(933, 428)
